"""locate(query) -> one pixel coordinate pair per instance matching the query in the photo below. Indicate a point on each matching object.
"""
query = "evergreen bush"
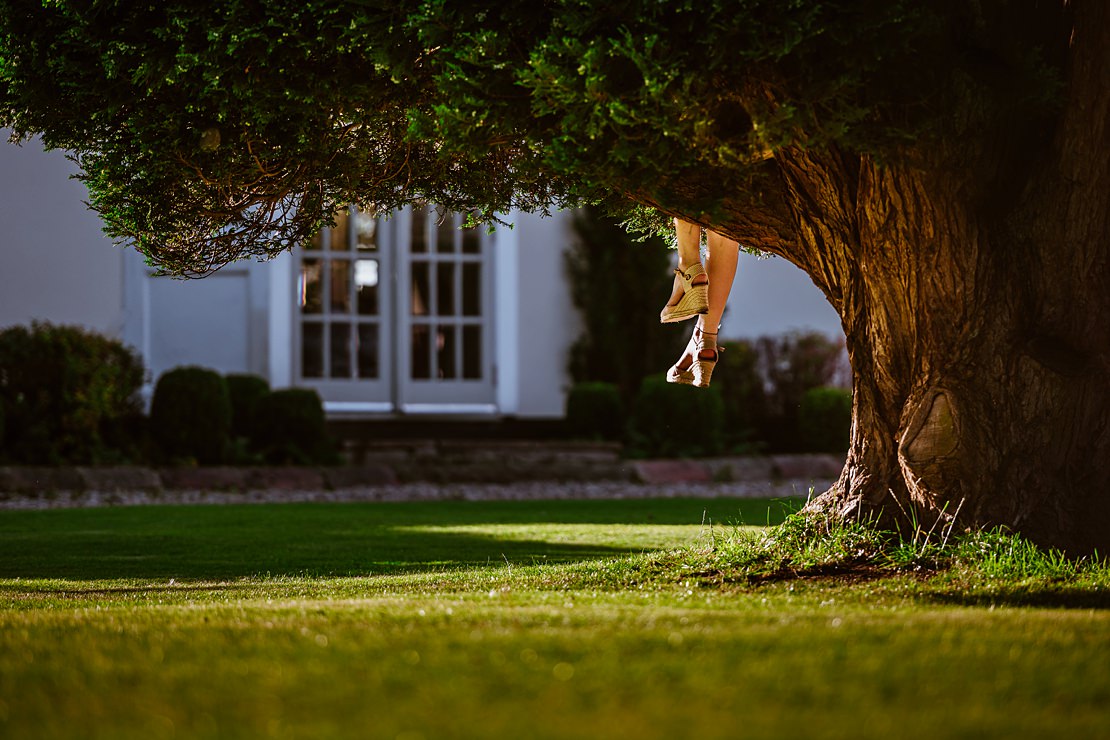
(614, 277)
(791, 364)
(825, 419)
(67, 396)
(594, 411)
(745, 400)
(245, 391)
(190, 415)
(290, 428)
(673, 420)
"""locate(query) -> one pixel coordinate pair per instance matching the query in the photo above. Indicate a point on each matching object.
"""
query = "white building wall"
(55, 263)
(547, 321)
(771, 296)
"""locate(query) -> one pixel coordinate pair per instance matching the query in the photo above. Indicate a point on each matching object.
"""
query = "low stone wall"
(429, 470)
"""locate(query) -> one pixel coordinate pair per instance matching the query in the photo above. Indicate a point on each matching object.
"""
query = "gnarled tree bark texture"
(973, 283)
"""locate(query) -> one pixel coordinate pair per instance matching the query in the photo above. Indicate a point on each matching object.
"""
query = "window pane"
(421, 293)
(472, 352)
(471, 241)
(421, 353)
(366, 231)
(340, 350)
(419, 229)
(445, 234)
(340, 286)
(312, 350)
(368, 351)
(311, 286)
(366, 287)
(339, 241)
(472, 289)
(445, 352)
(445, 289)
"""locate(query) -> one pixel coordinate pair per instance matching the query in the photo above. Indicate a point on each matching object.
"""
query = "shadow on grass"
(205, 555)
(1048, 597)
(223, 542)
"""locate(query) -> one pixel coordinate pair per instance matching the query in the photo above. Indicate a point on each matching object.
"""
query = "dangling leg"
(690, 296)
(720, 263)
(695, 367)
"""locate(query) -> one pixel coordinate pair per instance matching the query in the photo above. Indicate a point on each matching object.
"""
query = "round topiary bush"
(190, 415)
(673, 420)
(67, 395)
(825, 419)
(290, 427)
(594, 411)
(245, 392)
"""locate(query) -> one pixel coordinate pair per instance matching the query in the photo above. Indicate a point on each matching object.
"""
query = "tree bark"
(974, 290)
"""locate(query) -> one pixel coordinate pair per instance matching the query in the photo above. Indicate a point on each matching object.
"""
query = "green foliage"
(741, 387)
(595, 411)
(245, 391)
(257, 121)
(290, 427)
(67, 395)
(792, 364)
(825, 419)
(674, 420)
(618, 286)
(190, 415)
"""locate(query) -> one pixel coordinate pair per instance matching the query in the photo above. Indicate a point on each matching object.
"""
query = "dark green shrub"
(825, 419)
(792, 364)
(741, 387)
(594, 411)
(290, 427)
(671, 420)
(245, 392)
(190, 415)
(67, 395)
(612, 277)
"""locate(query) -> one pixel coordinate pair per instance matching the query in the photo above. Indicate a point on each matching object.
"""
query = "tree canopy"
(209, 134)
(939, 168)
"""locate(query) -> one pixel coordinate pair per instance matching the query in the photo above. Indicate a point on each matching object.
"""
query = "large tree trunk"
(974, 289)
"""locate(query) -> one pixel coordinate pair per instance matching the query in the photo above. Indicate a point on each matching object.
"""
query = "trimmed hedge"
(190, 415)
(673, 420)
(594, 411)
(245, 391)
(290, 428)
(67, 396)
(825, 419)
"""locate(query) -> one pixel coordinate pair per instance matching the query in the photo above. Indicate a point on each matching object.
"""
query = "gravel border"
(523, 491)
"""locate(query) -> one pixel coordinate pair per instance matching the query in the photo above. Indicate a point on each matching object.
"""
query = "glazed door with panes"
(344, 298)
(396, 314)
(445, 337)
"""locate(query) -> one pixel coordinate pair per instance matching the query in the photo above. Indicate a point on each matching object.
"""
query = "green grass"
(635, 619)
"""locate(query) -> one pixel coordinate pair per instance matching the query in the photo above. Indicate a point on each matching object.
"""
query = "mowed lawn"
(514, 620)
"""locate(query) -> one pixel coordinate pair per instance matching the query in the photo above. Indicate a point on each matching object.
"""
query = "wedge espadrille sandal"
(694, 300)
(699, 372)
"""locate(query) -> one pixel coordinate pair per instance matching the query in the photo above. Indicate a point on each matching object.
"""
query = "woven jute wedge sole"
(700, 371)
(682, 377)
(694, 301)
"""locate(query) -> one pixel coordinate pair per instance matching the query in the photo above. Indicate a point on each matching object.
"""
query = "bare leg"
(689, 253)
(720, 264)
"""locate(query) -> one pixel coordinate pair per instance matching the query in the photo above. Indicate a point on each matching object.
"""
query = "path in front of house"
(531, 490)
